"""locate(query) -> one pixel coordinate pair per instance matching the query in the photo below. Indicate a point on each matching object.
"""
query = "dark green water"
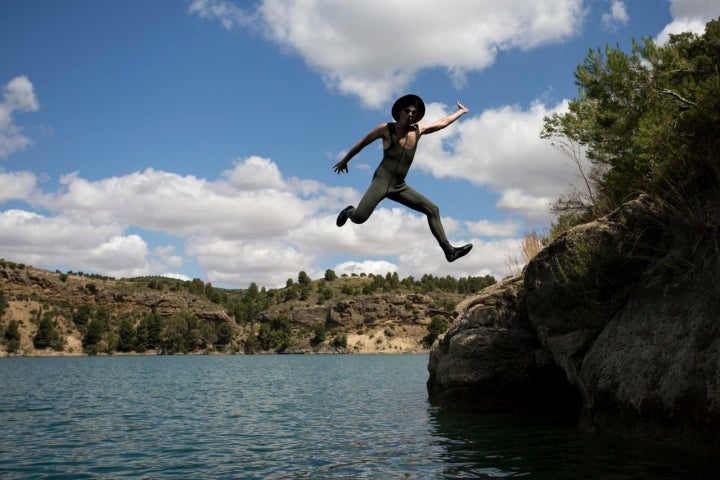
(283, 417)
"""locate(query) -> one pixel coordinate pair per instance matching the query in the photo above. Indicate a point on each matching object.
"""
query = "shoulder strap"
(392, 132)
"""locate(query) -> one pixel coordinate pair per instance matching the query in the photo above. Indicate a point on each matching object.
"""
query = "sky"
(196, 138)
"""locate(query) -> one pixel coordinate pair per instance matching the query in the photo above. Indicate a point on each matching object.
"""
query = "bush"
(437, 327)
(224, 334)
(126, 336)
(3, 303)
(275, 335)
(339, 342)
(94, 335)
(319, 334)
(47, 335)
(11, 336)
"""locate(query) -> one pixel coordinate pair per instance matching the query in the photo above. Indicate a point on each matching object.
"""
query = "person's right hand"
(341, 166)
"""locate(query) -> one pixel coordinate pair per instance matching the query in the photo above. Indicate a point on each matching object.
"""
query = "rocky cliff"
(614, 324)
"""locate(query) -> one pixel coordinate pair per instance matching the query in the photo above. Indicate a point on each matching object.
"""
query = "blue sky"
(196, 138)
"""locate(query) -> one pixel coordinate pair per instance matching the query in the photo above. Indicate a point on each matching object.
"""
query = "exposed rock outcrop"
(491, 359)
(626, 308)
(378, 323)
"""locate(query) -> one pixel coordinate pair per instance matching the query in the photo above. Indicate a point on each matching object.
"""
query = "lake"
(283, 417)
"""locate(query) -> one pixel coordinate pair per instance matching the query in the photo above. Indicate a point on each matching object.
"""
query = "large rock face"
(491, 359)
(625, 307)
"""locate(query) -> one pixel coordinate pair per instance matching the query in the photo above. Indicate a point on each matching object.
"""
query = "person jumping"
(400, 140)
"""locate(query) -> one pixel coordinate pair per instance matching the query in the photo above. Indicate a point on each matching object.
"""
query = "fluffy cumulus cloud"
(75, 242)
(689, 16)
(16, 185)
(216, 223)
(501, 149)
(219, 220)
(183, 205)
(457, 35)
(18, 96)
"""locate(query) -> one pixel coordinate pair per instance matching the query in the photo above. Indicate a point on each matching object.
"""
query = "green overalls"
(389, 182)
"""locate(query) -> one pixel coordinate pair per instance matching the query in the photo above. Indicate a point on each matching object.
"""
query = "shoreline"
(4, 355)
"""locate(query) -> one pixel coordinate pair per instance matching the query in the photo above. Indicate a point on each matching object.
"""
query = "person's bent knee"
(359, 218)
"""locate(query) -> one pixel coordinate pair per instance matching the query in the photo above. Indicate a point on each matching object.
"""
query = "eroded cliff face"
(625, 307)
(491, 359)
(377, 323)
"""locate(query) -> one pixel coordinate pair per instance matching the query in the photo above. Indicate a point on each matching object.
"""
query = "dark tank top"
(396, 158)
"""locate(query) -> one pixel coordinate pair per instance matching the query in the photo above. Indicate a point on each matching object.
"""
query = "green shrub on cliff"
(437, 327)
(3, 303)
(11, 336)
(47, 335)
(647, 122)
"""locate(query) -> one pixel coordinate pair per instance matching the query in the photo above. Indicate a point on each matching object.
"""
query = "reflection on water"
(510, 446)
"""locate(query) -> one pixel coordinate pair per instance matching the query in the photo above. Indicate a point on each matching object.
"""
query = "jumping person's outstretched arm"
(445, 121)
(380, 131)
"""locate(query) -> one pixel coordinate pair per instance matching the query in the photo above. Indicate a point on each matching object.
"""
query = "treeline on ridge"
(104, 331)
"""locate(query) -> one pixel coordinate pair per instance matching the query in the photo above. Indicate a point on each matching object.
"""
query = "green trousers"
(385, 185)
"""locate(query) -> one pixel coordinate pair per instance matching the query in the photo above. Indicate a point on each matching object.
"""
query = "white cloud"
(391, 230)
(181, 205)
(373, 49)
(235, 228)
(487, 228)
(377, 267)
(486, 258)
(269, 262)
(534, 208)
(67, 240)
(689, 16)
(176, 276)
(707, 9)
(16, 186)
(617, 15)
(89, 232)
(167, 254)
(255, 173)
(120, 256)
(680, 25)
(92, 242)
(226, 13)
(502, 149)
(18, 96)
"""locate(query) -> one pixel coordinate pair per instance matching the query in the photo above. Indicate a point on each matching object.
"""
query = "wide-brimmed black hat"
(407, 101)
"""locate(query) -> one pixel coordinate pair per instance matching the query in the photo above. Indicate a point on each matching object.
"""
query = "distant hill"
(55, 313)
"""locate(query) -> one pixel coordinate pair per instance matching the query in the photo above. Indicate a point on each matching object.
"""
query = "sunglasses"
(410, 110)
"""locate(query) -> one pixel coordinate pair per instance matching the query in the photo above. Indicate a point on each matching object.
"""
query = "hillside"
(54, 313)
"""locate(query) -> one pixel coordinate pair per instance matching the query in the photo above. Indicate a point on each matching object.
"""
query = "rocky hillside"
(75, 314)
(614, 325)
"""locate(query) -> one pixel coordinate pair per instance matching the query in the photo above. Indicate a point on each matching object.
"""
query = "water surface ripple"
(282, 417)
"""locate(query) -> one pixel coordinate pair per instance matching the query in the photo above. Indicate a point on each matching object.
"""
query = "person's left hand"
(462, 107)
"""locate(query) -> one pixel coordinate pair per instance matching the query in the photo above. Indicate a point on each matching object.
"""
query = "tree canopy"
(647, 121)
